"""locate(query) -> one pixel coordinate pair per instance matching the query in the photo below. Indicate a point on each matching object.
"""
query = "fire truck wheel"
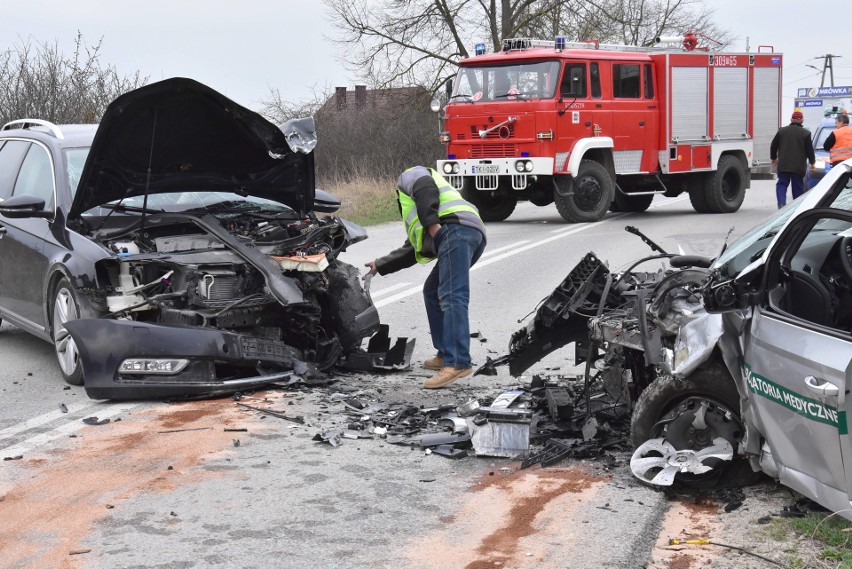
(492, 205)
(691, 419)
(631, 203)
(724, 189)
(593, 194)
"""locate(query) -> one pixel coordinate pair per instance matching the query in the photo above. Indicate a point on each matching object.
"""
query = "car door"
(798, 354)
(633, 116)
(22, 245)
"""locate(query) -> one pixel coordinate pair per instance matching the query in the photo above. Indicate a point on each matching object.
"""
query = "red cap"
(797, 116)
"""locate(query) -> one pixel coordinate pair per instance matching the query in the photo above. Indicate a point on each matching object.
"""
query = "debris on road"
(95, 421)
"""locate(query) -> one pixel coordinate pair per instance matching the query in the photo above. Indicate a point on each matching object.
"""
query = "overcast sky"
(245, 48)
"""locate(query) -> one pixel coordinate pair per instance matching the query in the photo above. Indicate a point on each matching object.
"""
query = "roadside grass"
(825, 539)
(364, 200)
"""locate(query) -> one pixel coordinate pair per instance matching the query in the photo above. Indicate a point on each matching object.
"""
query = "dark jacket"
(793, 149)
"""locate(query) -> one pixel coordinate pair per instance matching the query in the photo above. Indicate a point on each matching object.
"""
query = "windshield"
(74, 160)
(527, 80)
(751, 246)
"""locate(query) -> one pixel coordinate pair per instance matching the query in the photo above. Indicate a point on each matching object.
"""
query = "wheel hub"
(587, 193)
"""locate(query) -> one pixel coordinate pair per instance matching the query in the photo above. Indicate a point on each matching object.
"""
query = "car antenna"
(148, 176)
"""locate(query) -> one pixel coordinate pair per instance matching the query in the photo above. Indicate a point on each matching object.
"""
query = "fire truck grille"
(496, 133)
(493, 151)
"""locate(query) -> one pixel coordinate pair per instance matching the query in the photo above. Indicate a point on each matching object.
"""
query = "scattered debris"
(63, 408)
(331, 438)
(279, 414)
(79, 551)
(95, 421)
(236, 442)
(227, 430)
(185, 430)
(18, 457)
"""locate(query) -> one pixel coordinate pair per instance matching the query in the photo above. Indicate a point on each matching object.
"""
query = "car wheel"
(593, 191)
(64, 308)
(686, 432)
(494, 205)
(724, 189)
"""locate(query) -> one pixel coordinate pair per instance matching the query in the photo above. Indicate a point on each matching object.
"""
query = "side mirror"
(23, 206)
(324, 202)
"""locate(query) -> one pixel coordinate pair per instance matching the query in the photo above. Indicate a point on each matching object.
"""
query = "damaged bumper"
(137, 360)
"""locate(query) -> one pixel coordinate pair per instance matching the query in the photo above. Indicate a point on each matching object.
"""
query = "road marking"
(489, 252)
(102, 412)
(41, 420)
(388, 290)
(512, 251)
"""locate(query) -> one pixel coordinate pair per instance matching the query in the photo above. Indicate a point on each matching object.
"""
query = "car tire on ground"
(724, 189)
(593, 191)
(667, 409)
(64, 307)
(496, 205)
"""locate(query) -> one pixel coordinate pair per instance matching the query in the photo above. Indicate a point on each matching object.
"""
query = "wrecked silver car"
(732, 366)
(176, 250)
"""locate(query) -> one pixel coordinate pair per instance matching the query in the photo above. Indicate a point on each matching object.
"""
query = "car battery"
(506, 433)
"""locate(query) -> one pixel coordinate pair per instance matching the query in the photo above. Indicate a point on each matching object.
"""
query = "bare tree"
(38, 81)
(418, 42)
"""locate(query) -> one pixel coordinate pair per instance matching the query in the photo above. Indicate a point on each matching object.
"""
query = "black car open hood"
(180, 135)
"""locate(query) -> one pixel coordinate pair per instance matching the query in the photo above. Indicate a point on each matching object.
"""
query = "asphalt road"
(146, 492)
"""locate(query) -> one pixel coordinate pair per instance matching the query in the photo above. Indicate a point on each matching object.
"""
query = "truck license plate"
(488, 169)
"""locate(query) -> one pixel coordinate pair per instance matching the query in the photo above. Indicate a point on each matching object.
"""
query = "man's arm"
(829, 142)
(809, 149)
(773, 148)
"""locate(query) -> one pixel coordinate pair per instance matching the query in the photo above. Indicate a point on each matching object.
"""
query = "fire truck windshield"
(519, 81)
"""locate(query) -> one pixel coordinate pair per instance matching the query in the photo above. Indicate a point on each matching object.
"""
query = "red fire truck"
(594, 127)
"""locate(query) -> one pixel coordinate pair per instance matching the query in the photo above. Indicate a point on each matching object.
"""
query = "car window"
(574, 81)
(74, 160)
(822, 134)
(36, 176)
(625, 81)
(11, 155)
(815, 283)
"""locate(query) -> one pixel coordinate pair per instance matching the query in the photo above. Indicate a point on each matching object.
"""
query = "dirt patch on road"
(687, 520)
(46, 515)
(510, 517)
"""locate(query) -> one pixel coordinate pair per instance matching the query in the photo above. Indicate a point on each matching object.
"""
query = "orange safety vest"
(842, 148)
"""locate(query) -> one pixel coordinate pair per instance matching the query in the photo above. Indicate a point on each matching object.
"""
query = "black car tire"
(724, 189)
(651, 419)
(593, 191)
(496, 205)
(66, 306)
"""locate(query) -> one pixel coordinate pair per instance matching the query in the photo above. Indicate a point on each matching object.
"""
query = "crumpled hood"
(180, 135)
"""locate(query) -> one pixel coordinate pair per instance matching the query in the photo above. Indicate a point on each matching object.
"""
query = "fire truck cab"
(594, 127)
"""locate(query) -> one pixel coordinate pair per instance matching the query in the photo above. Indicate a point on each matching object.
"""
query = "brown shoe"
(435, 363)
(446, 376)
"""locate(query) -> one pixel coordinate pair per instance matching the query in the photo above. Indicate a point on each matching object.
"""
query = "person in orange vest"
(790, 151)
(839, 143)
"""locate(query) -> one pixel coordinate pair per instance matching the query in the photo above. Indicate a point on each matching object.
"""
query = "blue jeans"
(446, 292)
(784, 179)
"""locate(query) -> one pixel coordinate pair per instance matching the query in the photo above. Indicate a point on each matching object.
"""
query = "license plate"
(489, 169)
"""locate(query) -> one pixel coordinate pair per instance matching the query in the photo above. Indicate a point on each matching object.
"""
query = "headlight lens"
(519, 165)
(456, 168)
(448, 167)
(528, 166)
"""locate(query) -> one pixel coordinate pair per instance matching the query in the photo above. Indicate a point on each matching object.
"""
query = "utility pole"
(827, 65)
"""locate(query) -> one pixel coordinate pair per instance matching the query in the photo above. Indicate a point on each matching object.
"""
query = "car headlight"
(528, 166)
(456, 168)
(519, 165)
(448, 167)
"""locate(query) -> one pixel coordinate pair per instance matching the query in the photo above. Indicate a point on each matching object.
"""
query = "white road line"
(104, 412)
(514, 250)
(669, 201)
(489, 252)
(41, 420)
(388, 290)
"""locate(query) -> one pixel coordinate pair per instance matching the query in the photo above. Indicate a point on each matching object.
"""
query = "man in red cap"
(790, 151)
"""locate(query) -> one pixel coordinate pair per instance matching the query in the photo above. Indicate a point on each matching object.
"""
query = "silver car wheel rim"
(64, 310)
(657, 462)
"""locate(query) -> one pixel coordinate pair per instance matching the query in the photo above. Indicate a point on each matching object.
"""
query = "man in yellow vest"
(839, 142)
(439, 224)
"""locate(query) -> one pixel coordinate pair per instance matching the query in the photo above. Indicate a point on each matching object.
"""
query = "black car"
(175, 250)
